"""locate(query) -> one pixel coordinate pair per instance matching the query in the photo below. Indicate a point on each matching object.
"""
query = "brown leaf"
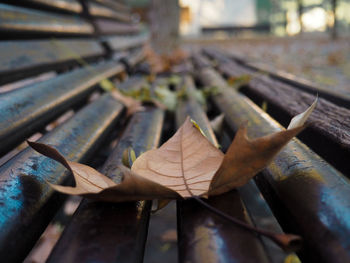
(131, 104)
(87, 179)
(91, 183)
(185, 163)
(245, 158)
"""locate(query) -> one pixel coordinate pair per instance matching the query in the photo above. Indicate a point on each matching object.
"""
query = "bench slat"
(112, 27)
(329, 124)
(124, 42)
(20, 59)
(341, 99)
(98, 10)
(27, 201)
(30, 108)
(19, 19)
(201, 232)
(116, 5)
(108, 232)
(312, 192)
(66, 5)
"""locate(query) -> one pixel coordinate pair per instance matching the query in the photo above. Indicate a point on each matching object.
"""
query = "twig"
(288, 242)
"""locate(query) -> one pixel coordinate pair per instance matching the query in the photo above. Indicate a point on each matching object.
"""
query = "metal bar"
(18, 19)
(25, 110)
(110, 232)
(314, 195)
(27, 202)
(203, 236)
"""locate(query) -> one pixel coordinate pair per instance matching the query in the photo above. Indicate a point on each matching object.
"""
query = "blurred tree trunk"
(334, 29)
(165, 18)
(300, 14)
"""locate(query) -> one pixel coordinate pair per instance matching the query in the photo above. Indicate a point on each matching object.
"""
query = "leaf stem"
(287, 242)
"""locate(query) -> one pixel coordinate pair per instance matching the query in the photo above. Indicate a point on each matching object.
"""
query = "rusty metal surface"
(126, 42)
(25, 110)
(19, 19)
(112, 27)
(314, 194)
(27, 202)
(99, 10)
(19, 58)
(113, 232)
(203, 236)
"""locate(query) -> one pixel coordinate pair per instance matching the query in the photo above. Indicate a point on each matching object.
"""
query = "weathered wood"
(60, 5)
(23, 58)
(27, 202)
(312, 193)
(126, 42)
(19, 19)
(203, 236)
(116, 5)
(340, 99)
(329, 132)
(26, 110)
(105, 232)
(98, 10)
(112, 27)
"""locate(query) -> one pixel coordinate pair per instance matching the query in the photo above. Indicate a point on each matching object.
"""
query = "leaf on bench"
(186, 165)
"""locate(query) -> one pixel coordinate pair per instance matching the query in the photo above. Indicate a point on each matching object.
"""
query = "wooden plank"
(108, 232)
(203, 236)
(27, 201)
(98, 10)
(22, 58)
(18, 19)
(340, 99)
(329, 132)
(116, 5)
(112, 27)
(126, 42)
(58, 5)
(28, 109)
(310, 194)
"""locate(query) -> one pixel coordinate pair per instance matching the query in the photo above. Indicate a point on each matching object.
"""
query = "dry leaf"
(301, 118)
(245, 158)
(131, 104)
(186, 165)
(91, 183)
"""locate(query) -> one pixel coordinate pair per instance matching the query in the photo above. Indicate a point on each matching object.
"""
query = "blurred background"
(307, 38)
(226, 18)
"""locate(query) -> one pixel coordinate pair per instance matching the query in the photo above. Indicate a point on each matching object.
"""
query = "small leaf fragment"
(300, 119)
(131, 104)
(107, 85)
